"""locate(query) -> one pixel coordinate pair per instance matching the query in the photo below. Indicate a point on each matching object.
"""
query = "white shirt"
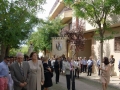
(89, 62)
(98, 62)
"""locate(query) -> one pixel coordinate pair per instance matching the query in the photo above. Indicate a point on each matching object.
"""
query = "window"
(117, 44)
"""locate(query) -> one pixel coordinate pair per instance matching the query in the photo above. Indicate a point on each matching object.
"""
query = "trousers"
(3, 83)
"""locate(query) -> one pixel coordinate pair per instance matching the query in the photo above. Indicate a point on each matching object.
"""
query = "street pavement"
(114, 80)
(81, 84)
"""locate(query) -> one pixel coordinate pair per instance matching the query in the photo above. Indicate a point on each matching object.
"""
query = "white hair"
(19, 54)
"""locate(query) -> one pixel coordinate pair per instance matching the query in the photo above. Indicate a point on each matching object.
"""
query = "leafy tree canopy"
(96, 12)
(42, 39)
(18, 17)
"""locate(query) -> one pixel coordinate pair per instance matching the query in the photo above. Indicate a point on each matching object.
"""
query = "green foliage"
(42, 39)
(17, 19)
(97, 13)
(23, 49)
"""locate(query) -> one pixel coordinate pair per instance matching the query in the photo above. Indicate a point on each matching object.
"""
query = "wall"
(87, 50)
(108, 49)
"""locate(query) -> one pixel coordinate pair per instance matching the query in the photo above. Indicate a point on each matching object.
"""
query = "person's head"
(19, 57)
(105, 61)
(11, 59)
(80, 58)
(34, 56)
(69, 59)
(6, 59)
(90, 57)
(111, 56)
(85, 58)
(45, 59)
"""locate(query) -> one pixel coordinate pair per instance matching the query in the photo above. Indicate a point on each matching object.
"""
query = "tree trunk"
(45, 51)
(101, 52)
(3, 51)
(7, 51)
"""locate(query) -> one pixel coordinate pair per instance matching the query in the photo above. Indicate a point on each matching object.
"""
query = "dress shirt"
(84, 62)
(89, 62)
(20, 65)
(98, 62)
(4, 70)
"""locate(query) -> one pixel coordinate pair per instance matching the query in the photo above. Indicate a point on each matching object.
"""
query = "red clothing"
(3, 83)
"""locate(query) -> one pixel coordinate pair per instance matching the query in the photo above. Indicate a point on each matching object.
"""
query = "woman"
(47, 73)
(36, 76)
(105, 74)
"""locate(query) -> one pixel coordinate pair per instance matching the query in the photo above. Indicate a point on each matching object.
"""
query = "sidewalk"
(114, 80)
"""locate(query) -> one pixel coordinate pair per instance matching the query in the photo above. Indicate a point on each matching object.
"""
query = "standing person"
(69, 71)
(105, 74)
(61, 65)
(4, 73)
(20, 72)
(80, 64)
(112, 61)
(89, 64)
(119, 68)
(57, 69)
(98, 64)
(84, 64)
(47, 74)
(36, 77)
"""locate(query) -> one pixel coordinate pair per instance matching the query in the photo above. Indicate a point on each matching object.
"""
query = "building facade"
(91, 47)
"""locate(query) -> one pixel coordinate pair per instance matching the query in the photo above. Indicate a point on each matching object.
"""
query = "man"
(84, 64)
(112, 61)
(119, 68)
(4, 73)
(20, 72)
(57, 69)
(69, 71)
(98, 64)
(89, 64)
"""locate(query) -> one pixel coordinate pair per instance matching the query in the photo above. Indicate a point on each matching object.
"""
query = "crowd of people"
(33, 73)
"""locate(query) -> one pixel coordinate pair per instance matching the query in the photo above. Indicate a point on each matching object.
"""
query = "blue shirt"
(4, 70)
(90, 62)
(98, 62)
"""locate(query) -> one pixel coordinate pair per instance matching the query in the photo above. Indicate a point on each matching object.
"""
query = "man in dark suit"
(20, 72)
(49, 62)
(57, 69)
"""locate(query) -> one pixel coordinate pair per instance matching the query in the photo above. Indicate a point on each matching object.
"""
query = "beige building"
(91, 47)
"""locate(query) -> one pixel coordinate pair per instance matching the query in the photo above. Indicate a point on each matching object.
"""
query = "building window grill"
(117, 44)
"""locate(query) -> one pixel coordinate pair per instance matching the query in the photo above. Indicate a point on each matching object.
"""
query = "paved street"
(81, 84)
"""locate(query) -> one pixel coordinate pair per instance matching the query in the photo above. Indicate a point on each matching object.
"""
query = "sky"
(47, 8)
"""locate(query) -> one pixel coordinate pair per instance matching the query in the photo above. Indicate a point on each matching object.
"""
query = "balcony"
(66, 15)
(56, 9)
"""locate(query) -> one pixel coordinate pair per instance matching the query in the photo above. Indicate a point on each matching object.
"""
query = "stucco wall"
(108, 49)
(87, 50)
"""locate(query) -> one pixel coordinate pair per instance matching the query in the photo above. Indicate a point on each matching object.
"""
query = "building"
(91, 47)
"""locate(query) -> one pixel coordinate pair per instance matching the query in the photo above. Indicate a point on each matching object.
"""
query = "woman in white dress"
(36, 76)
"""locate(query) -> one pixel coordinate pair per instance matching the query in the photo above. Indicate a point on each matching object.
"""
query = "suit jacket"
(17, 75)
(56, 65)
(49, 63)
(68, 67)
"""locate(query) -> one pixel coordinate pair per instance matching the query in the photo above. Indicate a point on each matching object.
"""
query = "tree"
(97, 13)
(17, 20)
(43, 37)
